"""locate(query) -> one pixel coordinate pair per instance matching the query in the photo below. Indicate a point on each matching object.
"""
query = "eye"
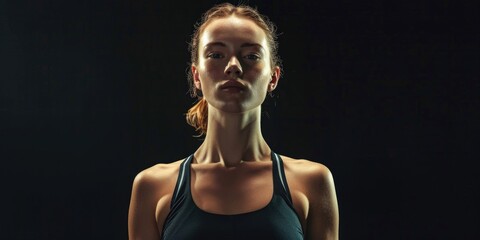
(214, 55)
(253, 57)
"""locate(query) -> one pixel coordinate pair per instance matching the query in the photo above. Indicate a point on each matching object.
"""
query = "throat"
(231, 155)
(232, 139)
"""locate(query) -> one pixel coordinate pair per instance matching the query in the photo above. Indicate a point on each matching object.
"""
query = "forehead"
(233, 30)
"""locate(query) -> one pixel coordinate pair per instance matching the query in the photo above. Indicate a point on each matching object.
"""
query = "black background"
(386, 94)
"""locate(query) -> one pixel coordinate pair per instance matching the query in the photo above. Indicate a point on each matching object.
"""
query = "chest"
(234, 205)
(276, 221)
(232, 192)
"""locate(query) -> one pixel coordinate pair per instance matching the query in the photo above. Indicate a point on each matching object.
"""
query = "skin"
(230, 167)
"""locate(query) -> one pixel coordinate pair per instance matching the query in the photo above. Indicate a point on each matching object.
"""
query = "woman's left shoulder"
(305, 166)
(308, 171)
(312, 188)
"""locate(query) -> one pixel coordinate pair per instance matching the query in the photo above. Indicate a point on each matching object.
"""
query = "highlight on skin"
(197, 115)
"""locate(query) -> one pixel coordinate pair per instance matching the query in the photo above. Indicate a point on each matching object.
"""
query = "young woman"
(234, 186)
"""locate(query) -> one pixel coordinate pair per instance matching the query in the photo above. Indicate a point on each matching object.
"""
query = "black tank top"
(278, 220)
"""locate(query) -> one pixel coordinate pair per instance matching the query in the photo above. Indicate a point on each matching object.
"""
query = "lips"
(232, 84)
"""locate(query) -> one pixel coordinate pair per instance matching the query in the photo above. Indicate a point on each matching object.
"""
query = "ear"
(274, 80)
(196, 78)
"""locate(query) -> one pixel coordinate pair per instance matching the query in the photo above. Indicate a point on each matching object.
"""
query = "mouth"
(233, 85)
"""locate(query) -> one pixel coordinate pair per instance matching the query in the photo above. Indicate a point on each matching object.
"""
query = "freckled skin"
(234, 158)
(249, 65)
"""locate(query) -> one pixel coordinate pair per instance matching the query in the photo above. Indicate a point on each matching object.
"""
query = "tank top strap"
(182, 184)
(183, 181)
(279, 179)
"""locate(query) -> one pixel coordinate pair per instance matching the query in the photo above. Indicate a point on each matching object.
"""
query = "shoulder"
(156, 181)
(157, 178)
(307, 169)
(309, 177)
(150, 186)
(158, 171)
(315, 181)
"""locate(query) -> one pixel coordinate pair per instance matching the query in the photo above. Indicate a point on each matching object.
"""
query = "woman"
(234, 186)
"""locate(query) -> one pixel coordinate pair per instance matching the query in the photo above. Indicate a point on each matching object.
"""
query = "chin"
(238, 108)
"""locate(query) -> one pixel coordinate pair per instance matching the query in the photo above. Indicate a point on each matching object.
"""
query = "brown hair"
(197, 116)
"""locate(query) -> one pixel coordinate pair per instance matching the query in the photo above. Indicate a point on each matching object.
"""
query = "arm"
(322, 221)
(142, 224)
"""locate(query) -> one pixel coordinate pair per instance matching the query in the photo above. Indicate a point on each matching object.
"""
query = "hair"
(197, 116)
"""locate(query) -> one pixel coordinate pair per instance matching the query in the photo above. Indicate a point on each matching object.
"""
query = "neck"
(233, 138)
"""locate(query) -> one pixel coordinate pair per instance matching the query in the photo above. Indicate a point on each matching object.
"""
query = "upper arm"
(142, 224)
(323, 219)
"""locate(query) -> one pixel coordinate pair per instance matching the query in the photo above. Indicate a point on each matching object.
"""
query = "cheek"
(260, 73)
(211, 70)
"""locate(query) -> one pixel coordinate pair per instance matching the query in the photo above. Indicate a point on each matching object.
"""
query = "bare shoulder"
(303, 168)
(157, 178)
(315, 181)
(309, 177)
(158, 171)
(150, 186)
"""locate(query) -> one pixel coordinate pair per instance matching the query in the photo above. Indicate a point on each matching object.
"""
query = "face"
(233, 70)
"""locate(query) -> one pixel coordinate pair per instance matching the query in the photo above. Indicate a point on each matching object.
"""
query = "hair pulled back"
(197, 115)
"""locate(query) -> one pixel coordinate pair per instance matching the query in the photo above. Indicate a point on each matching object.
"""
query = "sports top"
(278, 220)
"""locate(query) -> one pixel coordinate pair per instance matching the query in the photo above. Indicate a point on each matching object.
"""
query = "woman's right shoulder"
(151, 194)
(159, 177)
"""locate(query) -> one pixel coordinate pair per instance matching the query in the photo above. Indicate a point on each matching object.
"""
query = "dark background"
(386, 94)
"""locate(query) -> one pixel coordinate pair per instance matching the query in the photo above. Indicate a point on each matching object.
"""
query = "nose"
(233, 69)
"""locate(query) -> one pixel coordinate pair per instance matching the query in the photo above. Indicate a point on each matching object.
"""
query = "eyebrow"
(221, 44)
